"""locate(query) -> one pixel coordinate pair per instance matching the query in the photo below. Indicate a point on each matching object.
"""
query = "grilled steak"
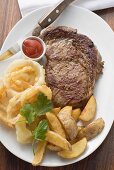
(73, 65)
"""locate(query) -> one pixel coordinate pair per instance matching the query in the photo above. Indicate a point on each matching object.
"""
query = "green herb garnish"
(40, 132)
(37, 108)
(28, 112)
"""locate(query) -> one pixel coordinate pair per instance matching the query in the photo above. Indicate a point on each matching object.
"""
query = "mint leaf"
(28, 112)
(37, 108)
(40, 131)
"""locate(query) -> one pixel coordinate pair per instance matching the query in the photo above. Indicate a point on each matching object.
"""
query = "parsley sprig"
(38, 108)
(40, 132)
(32, 111)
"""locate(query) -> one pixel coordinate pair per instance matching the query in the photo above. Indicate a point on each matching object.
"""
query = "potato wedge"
(57, 140)
(24, 135)
(53, 148)
(40, 150)
(92, 130)
(77, 149)
(56, 110)
(76, 113)
(89, 111)
(68, 122)
(80, 128)
(76, 139)
(55, 124)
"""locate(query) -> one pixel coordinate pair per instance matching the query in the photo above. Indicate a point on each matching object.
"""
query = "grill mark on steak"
(73, 65)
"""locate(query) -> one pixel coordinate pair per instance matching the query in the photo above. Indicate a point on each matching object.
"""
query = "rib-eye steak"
(73, 65)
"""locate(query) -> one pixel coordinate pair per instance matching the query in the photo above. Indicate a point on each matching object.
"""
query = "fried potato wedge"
(40, 150)
(80, 128)
(89, 111)
(56, 139)
(77, 149)
(76, 113)
(53, 148)
(76, 139)
(55, 124)
(23, 134)
(68, 122)
(56, 110)
(92, 130)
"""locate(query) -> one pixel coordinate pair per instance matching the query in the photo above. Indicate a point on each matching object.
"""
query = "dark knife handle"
(51, 16)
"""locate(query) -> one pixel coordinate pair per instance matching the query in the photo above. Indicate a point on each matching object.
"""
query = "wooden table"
(103, 157)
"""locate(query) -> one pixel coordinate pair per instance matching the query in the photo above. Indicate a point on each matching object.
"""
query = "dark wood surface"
(103, 157)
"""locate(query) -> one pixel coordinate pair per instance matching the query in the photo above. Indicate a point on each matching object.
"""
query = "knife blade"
(45, 21)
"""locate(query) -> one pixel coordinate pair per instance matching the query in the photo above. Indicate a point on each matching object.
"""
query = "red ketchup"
(32, 48)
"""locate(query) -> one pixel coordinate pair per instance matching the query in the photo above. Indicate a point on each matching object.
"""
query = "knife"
(44, 22)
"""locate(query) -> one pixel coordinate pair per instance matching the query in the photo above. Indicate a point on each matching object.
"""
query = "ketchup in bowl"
(32, 47)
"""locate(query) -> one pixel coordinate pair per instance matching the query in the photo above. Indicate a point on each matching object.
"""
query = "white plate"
(93, 26)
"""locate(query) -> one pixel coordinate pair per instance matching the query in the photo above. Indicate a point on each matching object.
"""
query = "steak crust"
(73, 65)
